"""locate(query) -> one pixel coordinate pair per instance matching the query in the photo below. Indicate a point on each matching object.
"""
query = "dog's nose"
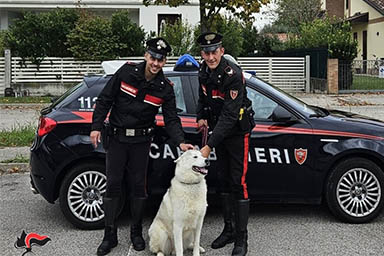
(207, 163)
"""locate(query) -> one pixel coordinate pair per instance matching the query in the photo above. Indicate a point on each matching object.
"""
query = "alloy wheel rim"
(358, 192)
(85, 196)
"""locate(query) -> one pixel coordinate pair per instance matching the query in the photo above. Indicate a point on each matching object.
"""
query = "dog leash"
(204, 131)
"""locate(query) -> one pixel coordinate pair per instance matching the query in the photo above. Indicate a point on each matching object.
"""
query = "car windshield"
(297, 103)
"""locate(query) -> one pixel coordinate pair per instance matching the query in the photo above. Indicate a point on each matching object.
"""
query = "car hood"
(348, 122)
(356, 118)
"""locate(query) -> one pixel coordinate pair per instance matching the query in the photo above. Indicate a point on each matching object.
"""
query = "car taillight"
(46, 125)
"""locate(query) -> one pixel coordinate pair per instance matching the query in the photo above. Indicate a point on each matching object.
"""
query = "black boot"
(137, 210)
(110, 232)
(227, 236)
(241, 240)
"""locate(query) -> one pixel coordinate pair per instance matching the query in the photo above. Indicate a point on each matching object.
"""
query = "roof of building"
(378, 5)
(359, 18)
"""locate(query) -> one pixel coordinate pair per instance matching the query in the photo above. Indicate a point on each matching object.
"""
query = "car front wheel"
(81, 196)
(354, 190)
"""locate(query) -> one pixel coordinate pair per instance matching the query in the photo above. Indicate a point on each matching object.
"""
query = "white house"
(149, 17)
(367, 20)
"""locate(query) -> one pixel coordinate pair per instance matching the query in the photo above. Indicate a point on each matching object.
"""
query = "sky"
(265, 16)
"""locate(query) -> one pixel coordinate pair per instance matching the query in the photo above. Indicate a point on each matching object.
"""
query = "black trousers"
(232, 159)
(129, 160)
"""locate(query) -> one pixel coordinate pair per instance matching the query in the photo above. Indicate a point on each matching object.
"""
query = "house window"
(355, 36)
(347, 4)
(163, 19)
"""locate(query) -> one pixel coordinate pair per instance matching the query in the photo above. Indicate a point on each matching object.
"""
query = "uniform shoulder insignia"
(169, 81)
(229, 70)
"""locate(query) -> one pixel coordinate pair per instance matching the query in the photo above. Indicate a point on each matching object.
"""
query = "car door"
(281, 155)
(163, 152)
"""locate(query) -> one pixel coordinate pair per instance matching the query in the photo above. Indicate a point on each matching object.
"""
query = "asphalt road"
(273, 229)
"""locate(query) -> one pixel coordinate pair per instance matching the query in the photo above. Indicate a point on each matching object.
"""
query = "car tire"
(354, 190)
(81, 194)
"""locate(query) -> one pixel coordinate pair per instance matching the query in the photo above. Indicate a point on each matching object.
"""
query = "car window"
(261, 104)
(293, 101)
(178, 89)
(65, 95)
(86, 100)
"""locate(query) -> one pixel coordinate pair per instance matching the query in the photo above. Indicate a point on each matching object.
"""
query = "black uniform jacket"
(134, 102)
(222, 93)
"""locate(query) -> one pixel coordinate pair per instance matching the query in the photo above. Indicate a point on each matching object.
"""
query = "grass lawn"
(18, 159)
(29, 99)
(367, 83)
(17, 136)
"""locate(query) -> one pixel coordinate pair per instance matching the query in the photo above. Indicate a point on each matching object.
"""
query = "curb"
(14, 168)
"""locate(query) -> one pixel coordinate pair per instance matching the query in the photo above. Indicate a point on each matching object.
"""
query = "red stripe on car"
(245, 165)
(282, 129)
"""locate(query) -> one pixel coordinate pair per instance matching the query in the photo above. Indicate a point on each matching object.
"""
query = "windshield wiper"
(319, 112)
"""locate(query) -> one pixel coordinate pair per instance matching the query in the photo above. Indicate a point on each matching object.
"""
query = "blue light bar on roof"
(186, 62)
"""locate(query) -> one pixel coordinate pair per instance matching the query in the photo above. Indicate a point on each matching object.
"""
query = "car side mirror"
(280, 114)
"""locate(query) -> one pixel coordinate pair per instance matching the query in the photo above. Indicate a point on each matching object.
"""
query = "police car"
(298, 153)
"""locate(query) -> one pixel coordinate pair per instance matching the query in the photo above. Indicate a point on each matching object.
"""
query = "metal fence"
(288, 73)
(2, 74)
(361, 75)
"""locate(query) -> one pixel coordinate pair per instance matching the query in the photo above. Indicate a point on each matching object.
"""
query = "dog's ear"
(178, 159)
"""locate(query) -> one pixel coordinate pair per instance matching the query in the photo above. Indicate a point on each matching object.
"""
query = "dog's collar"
(189, 183)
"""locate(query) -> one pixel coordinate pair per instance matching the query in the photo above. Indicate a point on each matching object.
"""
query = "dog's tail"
(160, 254)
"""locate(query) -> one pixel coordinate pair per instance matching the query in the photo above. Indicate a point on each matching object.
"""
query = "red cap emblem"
(233, 93)
(301, 155)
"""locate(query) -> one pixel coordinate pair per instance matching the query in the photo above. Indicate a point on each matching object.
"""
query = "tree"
(37, 35)
(93, 39)
(231, 30)
(334, 34)
(56, 26)
(130, 36)
(292, 13)
(259, 44)
(210, 9)
(25, 39)
(3, 34)
(251, 34)
(180, 36)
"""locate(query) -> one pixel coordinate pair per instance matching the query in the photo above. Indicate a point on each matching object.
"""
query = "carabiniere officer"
(133, 96)
(223, 106)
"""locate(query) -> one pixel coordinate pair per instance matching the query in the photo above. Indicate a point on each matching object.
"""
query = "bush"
(3, 34)
(93, 39)
(180, 37)
(232, 35)
(56, 26)
(129, 35)
(25, 38)
(334, 34)
(36, 36)
(250, 45)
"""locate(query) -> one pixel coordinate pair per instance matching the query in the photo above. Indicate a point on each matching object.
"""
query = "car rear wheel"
(354, 190)
(81, 196)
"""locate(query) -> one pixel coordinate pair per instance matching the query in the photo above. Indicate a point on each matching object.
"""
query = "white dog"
(177, 225)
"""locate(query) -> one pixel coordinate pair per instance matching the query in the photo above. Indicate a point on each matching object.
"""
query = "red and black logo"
(27, 240)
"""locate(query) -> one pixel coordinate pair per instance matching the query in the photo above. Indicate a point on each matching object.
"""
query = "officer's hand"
(95, 138)
(205, 151)
(186, 147)
(201, 123)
